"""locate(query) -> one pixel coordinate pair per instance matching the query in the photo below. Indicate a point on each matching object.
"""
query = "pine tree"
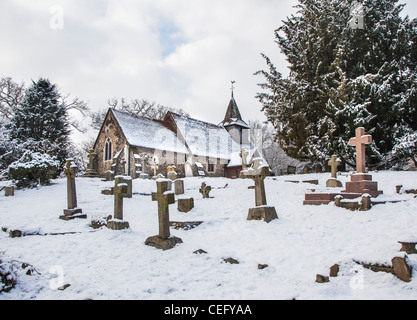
(42, 121)
(341, 78)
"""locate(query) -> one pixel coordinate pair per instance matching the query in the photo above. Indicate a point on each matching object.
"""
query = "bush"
(7, 274)
(33, 169)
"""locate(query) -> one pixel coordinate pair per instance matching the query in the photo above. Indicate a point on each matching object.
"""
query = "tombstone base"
(334, 183)
(91, 174)
(71, 214)
(117, 225)
(163, 244)
(263, 213)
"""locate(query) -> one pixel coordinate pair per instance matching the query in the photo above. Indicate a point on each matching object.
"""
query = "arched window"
(108, 150)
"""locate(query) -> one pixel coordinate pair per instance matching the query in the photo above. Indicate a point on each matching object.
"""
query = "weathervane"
(233, 87)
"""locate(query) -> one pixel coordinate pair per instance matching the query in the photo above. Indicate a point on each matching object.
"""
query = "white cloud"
(180, 53)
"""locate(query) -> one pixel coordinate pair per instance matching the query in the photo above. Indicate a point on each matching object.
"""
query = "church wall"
(110, 129)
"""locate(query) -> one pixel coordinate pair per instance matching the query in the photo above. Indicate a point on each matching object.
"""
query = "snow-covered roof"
(148, 133)
(205, 139)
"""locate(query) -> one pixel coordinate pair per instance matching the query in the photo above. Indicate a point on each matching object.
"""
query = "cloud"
(179, 53)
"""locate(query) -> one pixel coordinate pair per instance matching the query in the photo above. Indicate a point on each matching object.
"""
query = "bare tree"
(11, 94)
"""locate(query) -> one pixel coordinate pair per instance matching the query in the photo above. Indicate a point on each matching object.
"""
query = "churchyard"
(222, 254)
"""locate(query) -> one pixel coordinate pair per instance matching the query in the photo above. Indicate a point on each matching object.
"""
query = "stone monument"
(262, 211)
(73, 212)
(205, 190)
(120, 191)
(164, 197)
(91, 171)
(333, 182)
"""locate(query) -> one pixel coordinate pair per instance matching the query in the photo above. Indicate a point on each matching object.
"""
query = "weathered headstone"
(164, 197)
(171, 174)
(144, 174)
(120, 191)
(185, 204)
(109, 175)
(258, 173)
(91, 170)
(73, 212)
(333, 182)
(179, 187)
(205, 190)
(9, 191)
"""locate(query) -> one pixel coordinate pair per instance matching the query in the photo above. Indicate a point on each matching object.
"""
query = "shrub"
(33, 169)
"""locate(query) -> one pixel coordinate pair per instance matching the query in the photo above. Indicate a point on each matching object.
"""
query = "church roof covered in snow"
(148, 133)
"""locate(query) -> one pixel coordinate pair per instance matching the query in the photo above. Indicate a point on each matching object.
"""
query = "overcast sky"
(179, 53)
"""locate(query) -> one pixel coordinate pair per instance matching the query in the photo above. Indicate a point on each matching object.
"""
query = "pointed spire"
(233, 116)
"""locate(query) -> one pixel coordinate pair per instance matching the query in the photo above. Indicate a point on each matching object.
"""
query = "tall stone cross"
(334, 163)
(164, 198)
(360, 141)
(69, 171)
(244, 155)
(91, 156)
(258, 173)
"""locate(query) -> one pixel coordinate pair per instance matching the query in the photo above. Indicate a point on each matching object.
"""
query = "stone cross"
(91, 156)
(244, 155)
(334, 163)
(69, 171)
(359, 142)
(154, 167)
(258, 173)
(164, 198)
(120, 190)
(205, 190)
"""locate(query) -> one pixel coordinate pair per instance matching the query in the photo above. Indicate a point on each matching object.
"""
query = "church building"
(133, 145)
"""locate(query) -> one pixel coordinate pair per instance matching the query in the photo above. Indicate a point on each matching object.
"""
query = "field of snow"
(304, 241)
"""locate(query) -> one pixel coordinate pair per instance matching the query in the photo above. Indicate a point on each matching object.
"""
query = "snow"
(306, 240)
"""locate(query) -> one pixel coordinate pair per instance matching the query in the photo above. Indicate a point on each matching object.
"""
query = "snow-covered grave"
(303, 242)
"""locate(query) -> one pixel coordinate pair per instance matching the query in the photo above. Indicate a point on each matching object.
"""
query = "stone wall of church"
(110, 130)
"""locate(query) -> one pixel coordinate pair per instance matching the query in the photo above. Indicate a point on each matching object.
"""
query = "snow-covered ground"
(304, 241)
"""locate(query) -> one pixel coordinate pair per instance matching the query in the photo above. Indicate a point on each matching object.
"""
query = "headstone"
(333, 182)
(244, 155)
(9, 191)
(258, 172)
(401, 268)
(109, 175)
(185, 204)
(205, 190)
(179, 187)
(120, 192)
(144, 174)
(91, 170)
(164, 197)
(171, 174)
(158, 176)
(73, 212)
(155, 165)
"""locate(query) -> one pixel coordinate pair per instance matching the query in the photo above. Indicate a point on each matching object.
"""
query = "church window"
(210, 166)
(108, 150)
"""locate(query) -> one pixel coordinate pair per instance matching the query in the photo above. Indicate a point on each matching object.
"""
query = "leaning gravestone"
(262, 211)
(164, 197)
(120, 191)
(333, 182)
(73, 212)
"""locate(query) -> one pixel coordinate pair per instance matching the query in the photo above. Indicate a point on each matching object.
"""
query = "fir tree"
(341, 78)
(42, 121)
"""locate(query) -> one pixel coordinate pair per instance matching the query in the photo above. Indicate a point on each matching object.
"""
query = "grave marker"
(164, 197)
(120, 191)
(73, 212)
(91, 171)
(333, 182)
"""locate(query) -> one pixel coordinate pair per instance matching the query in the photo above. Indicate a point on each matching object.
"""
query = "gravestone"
(91, 170)
(164, 197)
(73, 212)
(262, 211)
(179, 187)
(120, 191)
(333, 182)
(205, 190)
(9, 191)
(144, 174)
(244, 155)
(171, 174)
(185, 204)
(361, 182)
(109, 175)
(154, 165)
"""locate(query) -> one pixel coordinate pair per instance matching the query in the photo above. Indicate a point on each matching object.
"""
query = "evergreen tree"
(41, 120)
(341, 78)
